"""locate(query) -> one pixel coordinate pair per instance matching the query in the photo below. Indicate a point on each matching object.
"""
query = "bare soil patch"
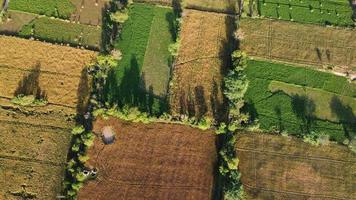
(15, 21)
(201, 63)
(323, 47)
(153, 161)
(275, 167)
(89, 11)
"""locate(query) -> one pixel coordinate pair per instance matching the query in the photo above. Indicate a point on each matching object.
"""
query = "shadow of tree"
(83, 94)
(278, 112)
(304, 109)
(130, 89)
(30, 85)
(345, 115)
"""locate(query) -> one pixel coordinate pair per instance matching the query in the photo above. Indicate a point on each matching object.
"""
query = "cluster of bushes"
(28, 100)
(133, 114)
(60, 31)
(236, 84)
(51, 8)
(331, 12)
(81, 141)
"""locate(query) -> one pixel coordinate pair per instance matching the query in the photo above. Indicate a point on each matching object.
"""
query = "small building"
(108, 134)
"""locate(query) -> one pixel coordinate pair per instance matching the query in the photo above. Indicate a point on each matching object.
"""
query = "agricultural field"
(89, 11)
(197, 76)
(146, 61)
(293, 99)
(221, 6)
(56, 71)
(27, 21)
(275, 167)
(323, 48)
(156, 2)
(153, 161)
(331, 12)
(35, 139)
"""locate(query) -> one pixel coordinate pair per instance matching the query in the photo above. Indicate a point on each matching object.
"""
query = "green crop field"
(293, 99)
(55, 30)
(52, 8)
(331, 12)
(145, 63)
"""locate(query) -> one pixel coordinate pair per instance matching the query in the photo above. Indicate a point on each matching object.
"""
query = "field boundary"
(42, 71)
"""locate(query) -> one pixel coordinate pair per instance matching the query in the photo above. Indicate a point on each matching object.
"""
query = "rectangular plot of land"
(34, 142)
(154, 161)
(299, 43)
(279, 166)
(202, 60)
(40, 180)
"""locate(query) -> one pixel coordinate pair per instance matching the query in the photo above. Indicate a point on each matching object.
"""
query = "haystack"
(108, 134)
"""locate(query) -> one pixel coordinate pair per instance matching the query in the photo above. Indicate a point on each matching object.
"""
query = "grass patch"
(223, 6)
(51, 8)
(144, 42)
(335, 12)
(322, 100)
(28, 101)
(55, 30)
(279, 111)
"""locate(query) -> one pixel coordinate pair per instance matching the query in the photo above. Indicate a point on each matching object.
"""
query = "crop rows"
(315, 45)
(310, 11)
(276, 167)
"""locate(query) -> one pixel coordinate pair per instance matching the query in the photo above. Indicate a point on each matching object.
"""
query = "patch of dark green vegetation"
(295, 114)
(51, 8)
(125, 83)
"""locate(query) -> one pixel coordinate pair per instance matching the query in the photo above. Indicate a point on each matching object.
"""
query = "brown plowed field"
(25, 54)
(299, 43)
(201, 63)
(275, 167)
(154, 161)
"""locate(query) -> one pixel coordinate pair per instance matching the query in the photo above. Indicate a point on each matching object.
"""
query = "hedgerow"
(51, 8)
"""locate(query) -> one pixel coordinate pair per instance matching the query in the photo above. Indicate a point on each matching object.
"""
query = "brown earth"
(152, 161)
(89, 11)
(202, 60)
(299, 43)
(156, 2)
(275, 167)
(15, 21)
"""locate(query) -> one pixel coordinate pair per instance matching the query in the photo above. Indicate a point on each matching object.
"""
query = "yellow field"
(197, 75)
(299, 43)
(26, 54)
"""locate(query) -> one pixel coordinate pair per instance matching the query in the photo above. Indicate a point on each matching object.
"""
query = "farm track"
(42, 71)
(42, 162)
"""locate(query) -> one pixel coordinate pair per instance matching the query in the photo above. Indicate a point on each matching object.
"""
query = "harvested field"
(153, 161)
(43, 181)
(15, 20)
(34, 141)
(55, 59)
(222, 6)
(315, 45)
(58, 71)
(202, 60)
(89, 11)
(275, 167)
